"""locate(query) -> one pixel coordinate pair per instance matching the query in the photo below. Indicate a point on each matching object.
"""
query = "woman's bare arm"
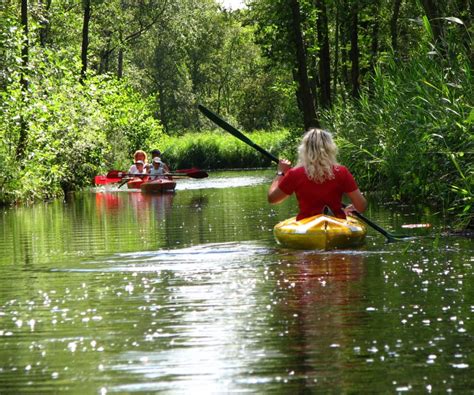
(275, 194)
(358, 200)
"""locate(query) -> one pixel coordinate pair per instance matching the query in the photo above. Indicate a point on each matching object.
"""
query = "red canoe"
(159, 185)
(136, 182)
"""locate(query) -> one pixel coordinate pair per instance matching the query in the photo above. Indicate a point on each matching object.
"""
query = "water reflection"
(316, 303)
(198, 202)
(142, 204)
(324, 277)
(194, 326)
(107, 202)
(230, 319)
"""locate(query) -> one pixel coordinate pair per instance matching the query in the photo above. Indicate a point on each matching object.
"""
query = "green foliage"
(220, 150)
(410, 135)
(129, 122)
(74, 130)
(199, 54)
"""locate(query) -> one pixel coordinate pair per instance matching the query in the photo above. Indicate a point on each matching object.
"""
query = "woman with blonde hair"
(139, 158)
(317, 180)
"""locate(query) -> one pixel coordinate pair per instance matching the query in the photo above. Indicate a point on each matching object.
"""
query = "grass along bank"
(219, 150)
(409, 136)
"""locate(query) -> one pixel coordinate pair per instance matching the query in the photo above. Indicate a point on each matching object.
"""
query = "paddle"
(114, 176)
(193, 173)
(224, 125)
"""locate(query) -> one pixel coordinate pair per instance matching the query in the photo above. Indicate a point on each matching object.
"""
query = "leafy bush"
(73, 130)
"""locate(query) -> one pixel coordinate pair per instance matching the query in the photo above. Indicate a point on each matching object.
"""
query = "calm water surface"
(118, 292)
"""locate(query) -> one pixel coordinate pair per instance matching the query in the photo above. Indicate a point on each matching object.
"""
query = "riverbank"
(216, 150)
(405, 175)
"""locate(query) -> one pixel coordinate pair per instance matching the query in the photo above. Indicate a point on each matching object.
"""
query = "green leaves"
(416, 121)
(73, 129)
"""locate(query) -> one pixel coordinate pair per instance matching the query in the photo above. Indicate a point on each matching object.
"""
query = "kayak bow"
(157, 186)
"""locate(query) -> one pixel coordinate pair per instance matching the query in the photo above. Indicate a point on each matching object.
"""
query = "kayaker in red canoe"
(158, 180)
(157, 169)
(138, 156)
(137, 168)
(156, 153)
(317, 180)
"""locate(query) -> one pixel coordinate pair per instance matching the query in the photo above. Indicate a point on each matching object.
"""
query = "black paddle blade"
(390, 237)
(188, 173)
(198, 174)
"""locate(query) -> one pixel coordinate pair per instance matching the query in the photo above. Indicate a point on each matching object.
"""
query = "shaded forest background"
(84, 84)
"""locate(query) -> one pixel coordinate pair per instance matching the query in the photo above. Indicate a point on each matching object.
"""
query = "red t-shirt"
(313, 196)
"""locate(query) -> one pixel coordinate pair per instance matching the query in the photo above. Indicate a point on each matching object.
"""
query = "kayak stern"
(320, 232)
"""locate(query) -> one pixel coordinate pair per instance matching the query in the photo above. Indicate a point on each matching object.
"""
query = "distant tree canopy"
(276, 63)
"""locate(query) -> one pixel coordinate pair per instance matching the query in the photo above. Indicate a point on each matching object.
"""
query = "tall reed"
(410, 134)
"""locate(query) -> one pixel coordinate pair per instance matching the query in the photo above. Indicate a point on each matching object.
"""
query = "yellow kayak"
(321, 232)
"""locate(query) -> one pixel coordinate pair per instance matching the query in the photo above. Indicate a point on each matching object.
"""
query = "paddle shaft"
(372, 224)
(224, 125)
(229, 128)
(113, 174)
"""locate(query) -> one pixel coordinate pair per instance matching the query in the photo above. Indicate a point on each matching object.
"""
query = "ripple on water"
(196, 258)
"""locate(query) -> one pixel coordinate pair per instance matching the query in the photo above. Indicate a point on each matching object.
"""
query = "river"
(114, 291)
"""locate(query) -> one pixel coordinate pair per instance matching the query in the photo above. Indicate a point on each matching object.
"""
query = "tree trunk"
(85, 37)
(394, 24)
(25, 45)
(374, 48)
(120, 63)
(324, 56)
(104, 56)
(123, 6)
(344, 31)
(354, 52)
(44, 22)
(313, 78)
(309, 111)
(336, 52)
(162, 106)
(20, 148)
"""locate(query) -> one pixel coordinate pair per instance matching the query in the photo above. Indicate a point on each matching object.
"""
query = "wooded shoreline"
(85, 84)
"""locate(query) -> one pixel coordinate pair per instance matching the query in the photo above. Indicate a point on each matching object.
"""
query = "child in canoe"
(156, 153)
(157, 169)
